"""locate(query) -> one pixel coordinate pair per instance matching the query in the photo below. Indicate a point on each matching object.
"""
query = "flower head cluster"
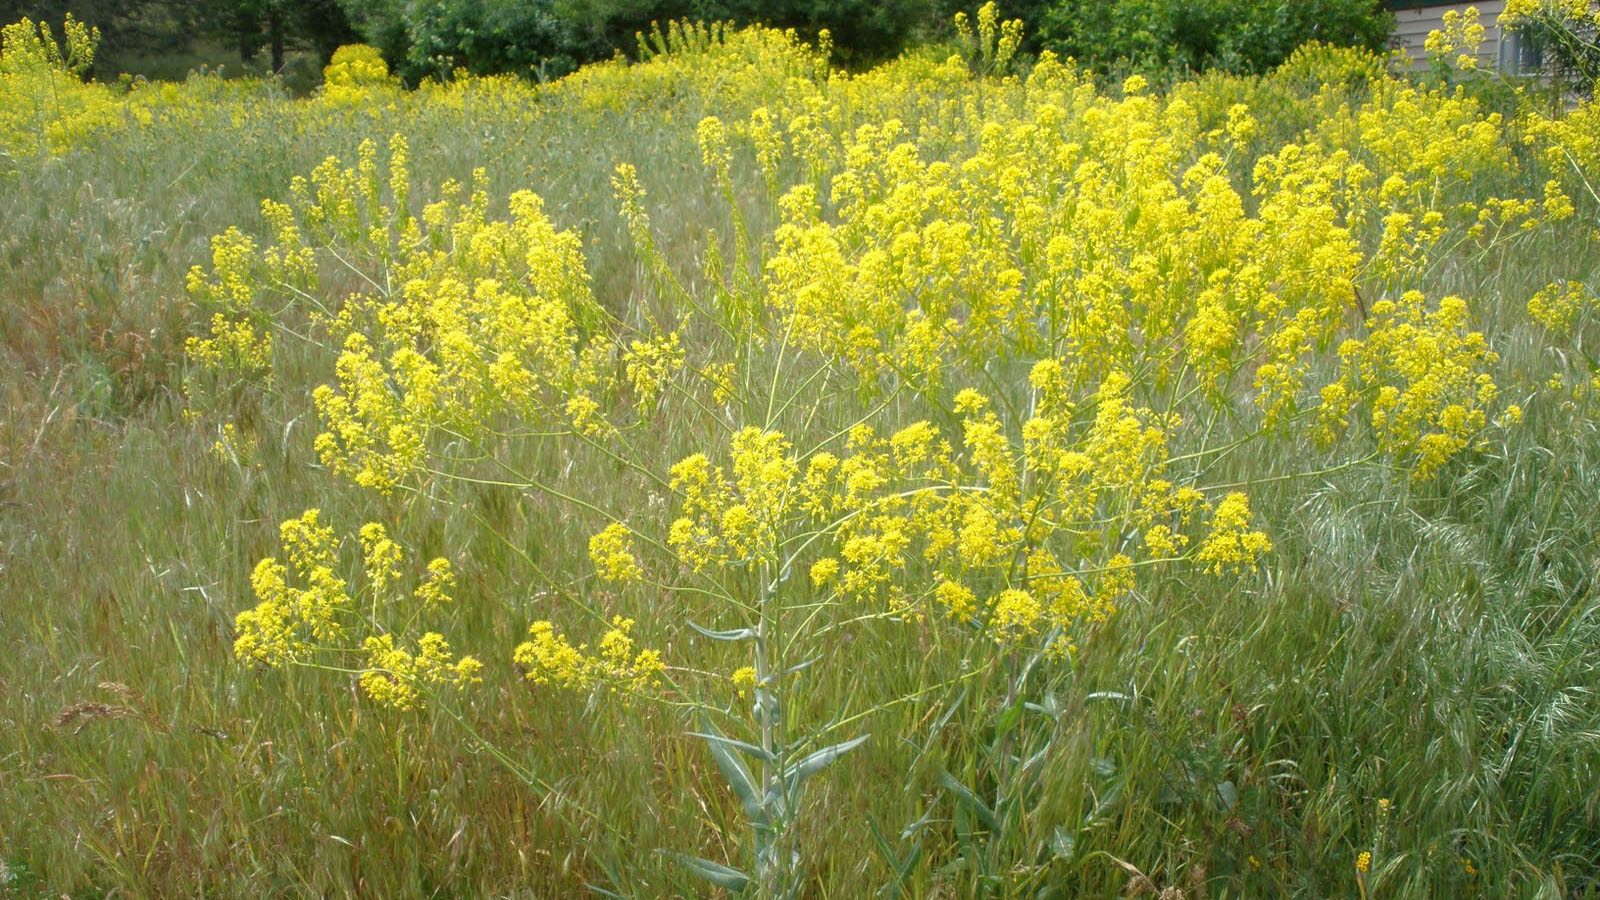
(548, 658)
(478, 319)
(1425, 377)
(45, 106)
(299, 603)
(1232, 544)
(734, 520)
(612, 556)
(397, 678)
(1461, 36)
(307, 611)
(353, 73)
(1559, 306)
(1017, 532)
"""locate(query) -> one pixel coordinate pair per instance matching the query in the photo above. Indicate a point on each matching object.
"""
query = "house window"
(1519, 55)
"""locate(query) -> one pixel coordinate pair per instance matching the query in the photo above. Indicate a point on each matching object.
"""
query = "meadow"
(720, 473)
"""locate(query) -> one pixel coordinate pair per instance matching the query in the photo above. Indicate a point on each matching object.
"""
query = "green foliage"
(481, 36)
(1192, 35)
(161, 35)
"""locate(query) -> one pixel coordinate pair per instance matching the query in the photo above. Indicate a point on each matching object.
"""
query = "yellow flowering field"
(722, 473)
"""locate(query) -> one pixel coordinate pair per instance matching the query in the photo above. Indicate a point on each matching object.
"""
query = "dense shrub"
(1190, 35)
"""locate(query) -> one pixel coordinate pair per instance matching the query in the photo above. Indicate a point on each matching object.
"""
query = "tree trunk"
(247, 31)
(275, 32)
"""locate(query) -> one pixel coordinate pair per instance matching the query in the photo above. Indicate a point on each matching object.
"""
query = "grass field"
(956, 479)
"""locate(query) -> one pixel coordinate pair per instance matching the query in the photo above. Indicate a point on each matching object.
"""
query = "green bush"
(1243, 36)
(482, 36)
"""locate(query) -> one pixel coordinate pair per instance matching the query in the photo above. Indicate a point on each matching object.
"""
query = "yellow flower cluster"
(1423, 375)
(1231, 543)
(45, 106)
(288, 622)
(353, 73)
(744, 680)
(466, 319)
(1107, 233)
(381, 555)
(734, 522)
(1570, 144)
(396, 677)
(1022, 540)
(612, 557)
(307, 612)
(548, 658)
(1559, 306)
(651, 365)
(1461, 35)
(1517, 12)
(26, 45)
(991, 47)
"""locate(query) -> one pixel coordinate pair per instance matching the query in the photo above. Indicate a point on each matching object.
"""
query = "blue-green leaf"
(1064, 843)
(735, 634)
(747, 747)
(734, 771)
(821, 759)
(718, 874)
(966, 796)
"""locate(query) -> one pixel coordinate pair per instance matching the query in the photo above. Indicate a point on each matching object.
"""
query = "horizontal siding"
(1411, 28)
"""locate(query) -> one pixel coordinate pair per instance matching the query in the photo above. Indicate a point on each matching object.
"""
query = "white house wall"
(1412, 26)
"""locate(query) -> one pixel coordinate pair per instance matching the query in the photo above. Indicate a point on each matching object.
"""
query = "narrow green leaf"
(1107, 695)
(968, 798)
(1008, 721)
(749, 748)
(718, 874)
(1050, 708)
(801, 667)
(911, 860)
(735, 771)
(821, 759)
(1035, 760)
(894, 888)
(736, 634)
(1064, 844)
(900, 867)
(917, 826)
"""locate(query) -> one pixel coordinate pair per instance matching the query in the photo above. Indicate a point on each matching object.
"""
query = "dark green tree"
(1192, 35)
(320, 26)
(864, 31)
(153, 27)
